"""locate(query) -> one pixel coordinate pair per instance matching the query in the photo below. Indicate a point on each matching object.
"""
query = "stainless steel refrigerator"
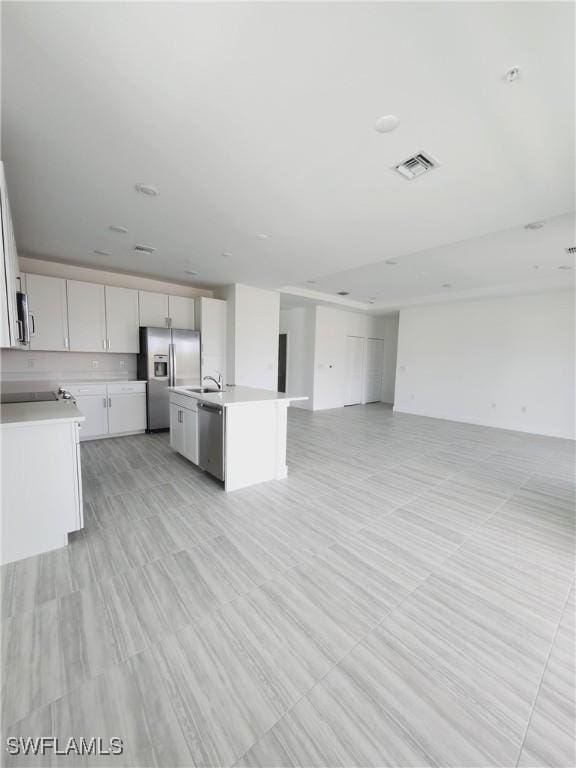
(168, 358)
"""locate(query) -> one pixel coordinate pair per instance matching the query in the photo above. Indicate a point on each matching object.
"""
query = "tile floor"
(404, 598)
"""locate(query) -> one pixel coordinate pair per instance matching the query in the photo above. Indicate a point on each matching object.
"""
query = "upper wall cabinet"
(49, 312)
(181, 312)
(122, 319)
(8, 271)
(161, 311)
(153, 309)
(86, 316)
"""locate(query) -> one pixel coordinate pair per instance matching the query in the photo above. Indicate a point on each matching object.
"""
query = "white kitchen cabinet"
(122, 319)
(86, 316)
(211, 322)
(153, 309)
(9, 268)
(184, 428)
(41, 489)
(181, 312)
(48, 305)
(113, 408)
(126, 407)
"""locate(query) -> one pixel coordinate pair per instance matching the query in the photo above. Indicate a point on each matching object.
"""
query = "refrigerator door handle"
(171, 366)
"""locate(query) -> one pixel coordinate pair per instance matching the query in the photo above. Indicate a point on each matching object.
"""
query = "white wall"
(332, 327)
(504, 363)
(27, 371)
(253, 322)
(300, 324)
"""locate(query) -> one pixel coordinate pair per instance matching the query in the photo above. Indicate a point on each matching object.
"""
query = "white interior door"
(86, 316)
(354, 370)
(374, 369)
(48, 304)
(122, 319)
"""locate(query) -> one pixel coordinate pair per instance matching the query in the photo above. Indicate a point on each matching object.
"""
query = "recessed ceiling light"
(512, 74)
(565, 266)
(372, 300)
(311, 282)
(343, 293)
(262, 236)
(191, 272)
(147, 189)
(119, 228)
(446, 285)
(226, 255)
(536, 266)
(386, 123)
(98, 252)
(391, 262)
(534, 225)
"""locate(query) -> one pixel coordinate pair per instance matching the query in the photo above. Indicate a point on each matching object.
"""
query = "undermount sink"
(202, 390)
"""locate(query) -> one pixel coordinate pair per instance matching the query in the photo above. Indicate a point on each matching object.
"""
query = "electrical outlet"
(31, 362)
(412, 396)
(122, 363)
(493, 405)
(95, 363)
(524, 409)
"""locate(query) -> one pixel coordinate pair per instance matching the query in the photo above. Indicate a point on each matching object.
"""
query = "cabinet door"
(48, 305)
(86, 316)
(181, 312)
(9, 268)
(190, 434)
(153, 309)
(122, 319)
(213, 327)
(126, 413)
(95, 409)
(176, 429)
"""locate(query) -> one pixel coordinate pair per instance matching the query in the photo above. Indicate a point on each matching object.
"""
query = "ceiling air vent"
(571, 251)
(144, 249)
(417, 165)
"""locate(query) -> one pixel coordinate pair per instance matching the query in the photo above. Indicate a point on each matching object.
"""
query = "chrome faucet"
(217, 381)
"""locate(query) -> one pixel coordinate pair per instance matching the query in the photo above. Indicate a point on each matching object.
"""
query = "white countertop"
(49, 412)
(238, 396)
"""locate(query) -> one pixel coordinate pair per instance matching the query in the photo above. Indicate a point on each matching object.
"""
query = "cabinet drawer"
(183, 401)
(127, 387)
(78, 390)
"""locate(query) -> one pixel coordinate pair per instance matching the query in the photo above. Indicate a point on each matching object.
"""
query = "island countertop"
(13, 414)
(236, 395)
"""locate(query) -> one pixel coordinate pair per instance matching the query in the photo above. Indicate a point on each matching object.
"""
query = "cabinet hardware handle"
(66, 343)
(104, 402)
(104, 343)
(109, 402)
(33, 332)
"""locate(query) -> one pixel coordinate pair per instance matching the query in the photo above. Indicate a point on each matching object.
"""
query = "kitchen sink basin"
(202, 390)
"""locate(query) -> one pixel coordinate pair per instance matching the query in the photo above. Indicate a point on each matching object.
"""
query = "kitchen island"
(237, 434)
(41, 476)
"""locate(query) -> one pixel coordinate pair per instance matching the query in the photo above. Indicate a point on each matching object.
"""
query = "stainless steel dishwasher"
(211, 438)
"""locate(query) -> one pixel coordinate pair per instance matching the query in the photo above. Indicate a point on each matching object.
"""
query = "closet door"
(354, 370)
(374, 369)
(48, 305)
(86, 316)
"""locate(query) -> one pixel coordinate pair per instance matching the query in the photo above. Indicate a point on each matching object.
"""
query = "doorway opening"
(282, 358)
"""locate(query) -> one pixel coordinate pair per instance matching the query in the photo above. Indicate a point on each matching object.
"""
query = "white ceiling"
(259, 118)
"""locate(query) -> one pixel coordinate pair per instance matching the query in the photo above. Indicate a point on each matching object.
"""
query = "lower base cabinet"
(110, 409)
(184, 431)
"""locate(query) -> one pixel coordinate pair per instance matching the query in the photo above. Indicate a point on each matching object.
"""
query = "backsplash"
(27, 371)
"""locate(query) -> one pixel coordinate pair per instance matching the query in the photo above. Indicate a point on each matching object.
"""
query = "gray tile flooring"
(404, 598)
